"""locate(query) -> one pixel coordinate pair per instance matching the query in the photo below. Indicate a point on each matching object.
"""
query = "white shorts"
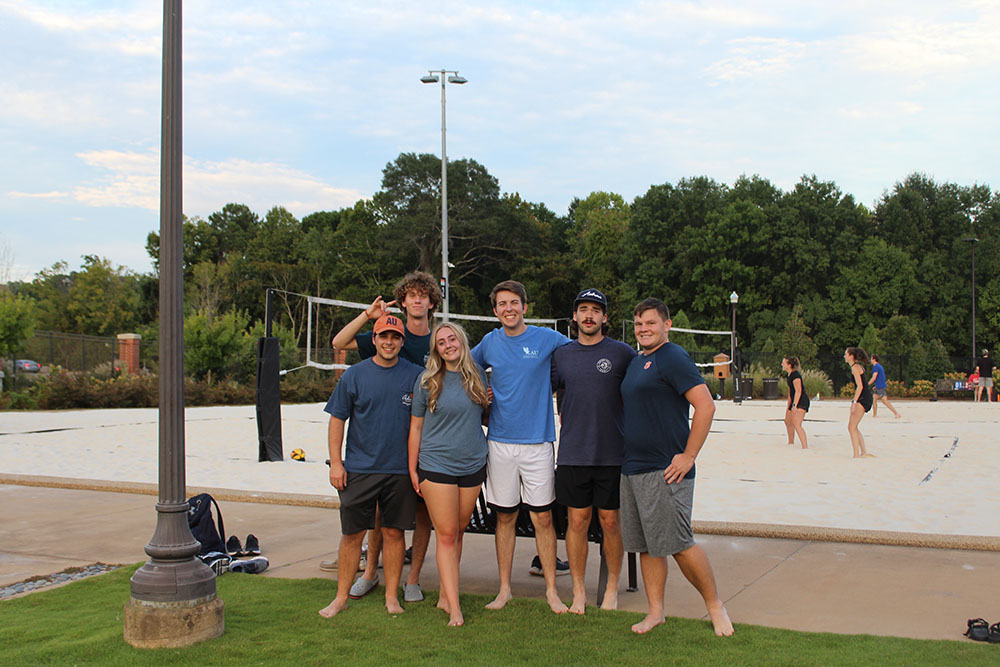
(517, 474)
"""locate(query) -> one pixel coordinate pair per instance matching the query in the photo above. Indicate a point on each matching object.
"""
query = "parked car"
(27, 366)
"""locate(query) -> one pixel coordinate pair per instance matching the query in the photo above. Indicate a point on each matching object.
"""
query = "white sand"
(746, 472)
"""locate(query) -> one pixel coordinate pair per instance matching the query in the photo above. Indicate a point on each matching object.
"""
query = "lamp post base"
(173, 624)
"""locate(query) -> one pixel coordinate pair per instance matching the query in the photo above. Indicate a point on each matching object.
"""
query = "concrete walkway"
(803, 585)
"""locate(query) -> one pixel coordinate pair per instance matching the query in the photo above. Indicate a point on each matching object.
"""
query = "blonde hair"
(433, 377)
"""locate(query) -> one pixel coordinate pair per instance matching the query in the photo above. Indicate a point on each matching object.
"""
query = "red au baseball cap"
(389, 322)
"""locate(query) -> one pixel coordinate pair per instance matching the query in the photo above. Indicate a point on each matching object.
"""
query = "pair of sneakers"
(236, 549)
(562, 567)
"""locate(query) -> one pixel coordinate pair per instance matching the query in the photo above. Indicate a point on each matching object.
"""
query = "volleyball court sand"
(935, 470)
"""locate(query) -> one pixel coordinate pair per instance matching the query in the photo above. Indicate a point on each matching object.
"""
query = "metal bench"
(484, 522)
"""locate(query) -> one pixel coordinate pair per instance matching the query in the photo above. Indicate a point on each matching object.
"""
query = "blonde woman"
(862, 402)
(447, 450)
(798, 401)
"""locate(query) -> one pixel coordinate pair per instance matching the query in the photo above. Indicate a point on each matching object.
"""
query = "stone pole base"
(173, 624)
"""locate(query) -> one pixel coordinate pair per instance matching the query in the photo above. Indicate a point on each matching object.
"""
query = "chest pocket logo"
(407, 399)
(604, 366)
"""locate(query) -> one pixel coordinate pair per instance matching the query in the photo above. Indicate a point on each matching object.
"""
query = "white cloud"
(133, 181)
(55, 194)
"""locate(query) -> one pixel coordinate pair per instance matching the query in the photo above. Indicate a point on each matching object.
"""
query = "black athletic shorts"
(471, 480)
(588, 486)
(393, 494)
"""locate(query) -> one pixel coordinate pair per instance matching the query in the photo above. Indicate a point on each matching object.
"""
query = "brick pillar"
(339, 357)
(128, 351)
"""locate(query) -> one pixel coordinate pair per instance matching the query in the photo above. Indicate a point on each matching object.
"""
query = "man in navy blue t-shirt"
(657, 483)
(521, 465)
(418, 296)
(375, 395)
(589, 372)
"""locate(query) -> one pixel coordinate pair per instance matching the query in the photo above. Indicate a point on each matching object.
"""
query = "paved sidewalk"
(799, 584)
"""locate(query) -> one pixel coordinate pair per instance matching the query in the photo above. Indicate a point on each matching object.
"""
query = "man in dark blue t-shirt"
(375, 395)
(657, 484)
(589, 372)
(418, 296)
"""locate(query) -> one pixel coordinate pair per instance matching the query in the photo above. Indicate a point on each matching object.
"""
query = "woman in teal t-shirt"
(447, 449)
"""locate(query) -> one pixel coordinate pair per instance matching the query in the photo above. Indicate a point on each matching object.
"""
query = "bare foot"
(456, 620)
(866, 455)
(720, 620)
(332, 609)
(443, 605)
(500, 601)
(393, 606)
(555, 604)
(579, 605)
(647, 624)
(610, 599)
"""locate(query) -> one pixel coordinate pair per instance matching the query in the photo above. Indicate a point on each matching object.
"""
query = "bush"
(921, 388)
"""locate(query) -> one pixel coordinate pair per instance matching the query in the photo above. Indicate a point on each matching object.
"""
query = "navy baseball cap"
(593, 296)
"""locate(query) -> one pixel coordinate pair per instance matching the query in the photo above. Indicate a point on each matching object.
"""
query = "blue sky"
(302, 103)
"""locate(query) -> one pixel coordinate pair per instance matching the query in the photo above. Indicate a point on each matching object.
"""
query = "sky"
(303, 103)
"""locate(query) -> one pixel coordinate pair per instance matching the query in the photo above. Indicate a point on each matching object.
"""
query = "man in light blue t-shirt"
(521, 464)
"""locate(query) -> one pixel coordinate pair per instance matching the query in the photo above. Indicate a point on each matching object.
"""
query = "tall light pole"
(734, 299)
(973, 241)
(433, 76)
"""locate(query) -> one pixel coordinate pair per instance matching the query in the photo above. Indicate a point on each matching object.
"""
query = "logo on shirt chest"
(529, 353)
(407, 399)
(603, 365)
(646, 365)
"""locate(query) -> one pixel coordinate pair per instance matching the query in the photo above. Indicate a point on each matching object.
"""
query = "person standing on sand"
(798, 401)
(862, 401)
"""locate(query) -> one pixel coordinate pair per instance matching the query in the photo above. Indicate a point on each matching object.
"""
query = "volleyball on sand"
(298, 454)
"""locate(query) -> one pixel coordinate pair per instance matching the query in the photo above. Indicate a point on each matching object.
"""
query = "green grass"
(274, 621)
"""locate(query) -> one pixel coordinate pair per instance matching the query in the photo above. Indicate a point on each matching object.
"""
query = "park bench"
(484, 522)
(944, 386)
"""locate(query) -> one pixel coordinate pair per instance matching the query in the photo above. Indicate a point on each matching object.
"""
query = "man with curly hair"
(418, 296)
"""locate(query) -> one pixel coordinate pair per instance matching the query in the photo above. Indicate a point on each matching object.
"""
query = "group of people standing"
(867, 394)
(628, 443)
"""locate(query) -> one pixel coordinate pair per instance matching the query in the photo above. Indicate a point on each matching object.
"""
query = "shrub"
(921, 388)
(895, 388)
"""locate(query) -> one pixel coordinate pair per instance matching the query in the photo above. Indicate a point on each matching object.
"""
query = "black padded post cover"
(268, 400)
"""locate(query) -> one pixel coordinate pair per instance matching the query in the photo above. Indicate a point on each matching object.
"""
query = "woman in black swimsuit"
(798, 401)
(862, 403)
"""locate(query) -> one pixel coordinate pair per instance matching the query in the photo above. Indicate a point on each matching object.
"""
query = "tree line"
(814, 269)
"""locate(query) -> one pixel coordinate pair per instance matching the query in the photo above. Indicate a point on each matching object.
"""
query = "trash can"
(770, 389)
(744, 385)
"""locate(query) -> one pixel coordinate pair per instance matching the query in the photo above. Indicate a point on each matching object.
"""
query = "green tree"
(17, 322)
(103, 300)
(598, 225)
(214, 344)
(795, 339)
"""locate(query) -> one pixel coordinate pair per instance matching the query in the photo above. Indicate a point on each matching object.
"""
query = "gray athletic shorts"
(878, 392)
(986, 382)
(656, 516)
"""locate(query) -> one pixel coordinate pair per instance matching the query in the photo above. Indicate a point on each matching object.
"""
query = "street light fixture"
(734, 299)
(973, 241)
(433, 76)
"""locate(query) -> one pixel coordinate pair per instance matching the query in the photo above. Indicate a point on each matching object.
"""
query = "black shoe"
(249, 566)
(408, 556)
(253, 546)
(218, 561)
(233, 547)
(562, 567)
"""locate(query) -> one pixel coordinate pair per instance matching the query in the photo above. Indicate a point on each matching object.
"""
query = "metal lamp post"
(173, 599)
(734, 298)
(973, 241)
(433, 76)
